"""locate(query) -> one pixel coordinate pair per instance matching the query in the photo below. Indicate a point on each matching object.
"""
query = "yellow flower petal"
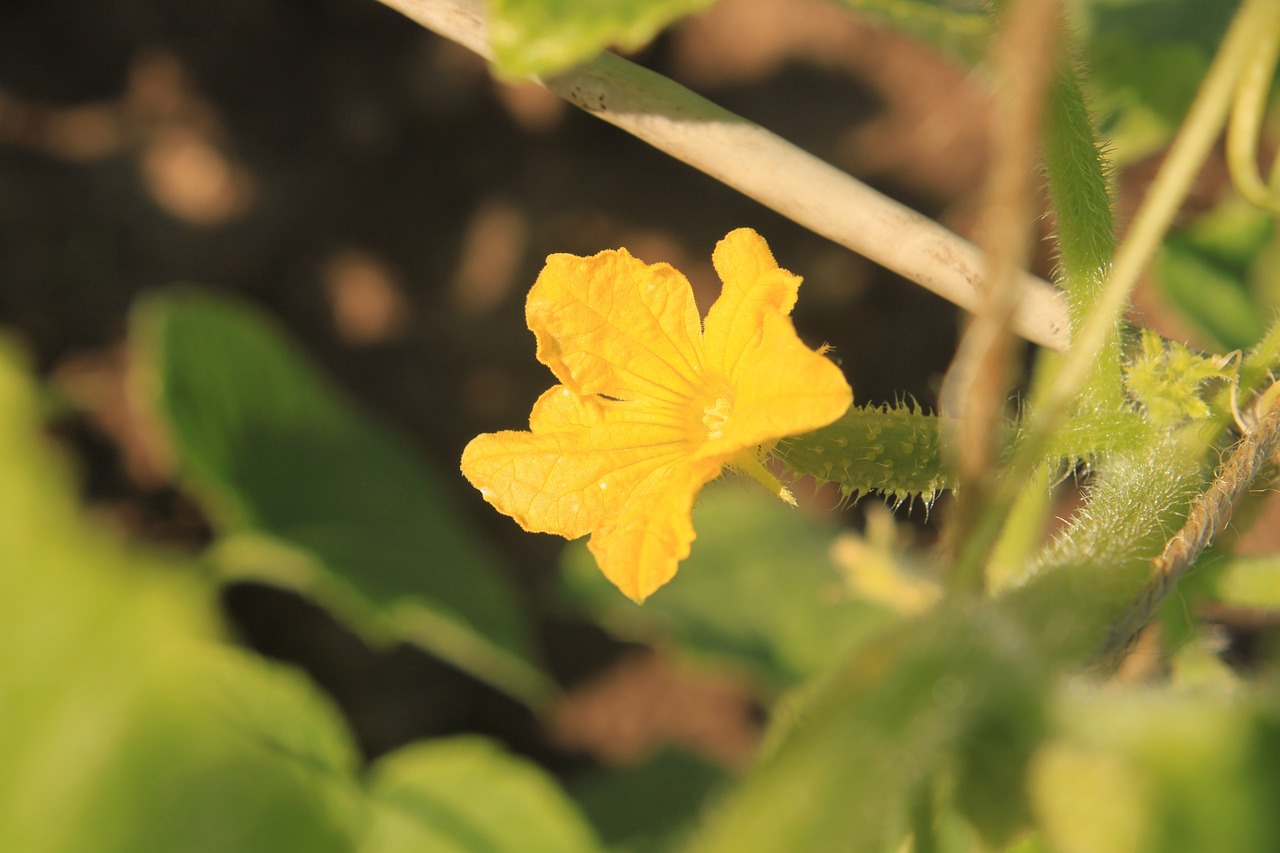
(613, 325)
(753, 287)
(789, 390)
(780, 386)
(575, 469)
(641, 550)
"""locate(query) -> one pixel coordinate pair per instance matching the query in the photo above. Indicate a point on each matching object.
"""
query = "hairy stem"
(1052, 399)
(1195, 138)
(1209, 513)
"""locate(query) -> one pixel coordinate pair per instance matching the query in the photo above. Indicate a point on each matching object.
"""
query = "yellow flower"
(652, 403)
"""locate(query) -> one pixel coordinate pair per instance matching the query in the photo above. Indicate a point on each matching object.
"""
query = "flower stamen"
(748, 462)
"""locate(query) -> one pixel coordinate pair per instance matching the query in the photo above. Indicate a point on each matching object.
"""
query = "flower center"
(715, 416)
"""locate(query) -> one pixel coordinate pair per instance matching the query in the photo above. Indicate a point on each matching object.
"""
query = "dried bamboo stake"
(770, 170)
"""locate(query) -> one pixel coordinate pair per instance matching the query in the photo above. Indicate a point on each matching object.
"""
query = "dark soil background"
(378, 191)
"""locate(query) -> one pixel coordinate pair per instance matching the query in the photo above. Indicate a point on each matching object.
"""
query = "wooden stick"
(770, 170)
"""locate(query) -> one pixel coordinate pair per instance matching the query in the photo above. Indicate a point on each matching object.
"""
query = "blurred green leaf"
(1155, 21)
(1142, 92)
(646, 808)
(126, 727)
(547, 36)
(1193, 771)
(304, 489)
(1215, 300)
(1231, 235)
(758, 589)
(1247, 582)
(957, 27)
(957, 691)
(464, 795)
(1146, 59)
(113, 728)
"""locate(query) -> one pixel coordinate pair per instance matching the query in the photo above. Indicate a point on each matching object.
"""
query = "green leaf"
(1196, 771)
(959, 29)
(646, 808)
(1231, 235)
(306, 490)
(1143, 92)
(1146, 61)
(956, 691)
(1210, 297)
(126, 727)
(116, 729)
(548, 36)
(1167, 379)
(466, 794)
(758, 589)
(1247, 582)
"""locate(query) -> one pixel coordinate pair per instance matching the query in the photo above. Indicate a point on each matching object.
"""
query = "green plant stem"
(1051, 399)
(1076, 173)
(1208, 515)
(1195, 139)
(897, 450)
(1085, 581)
(1246, 118)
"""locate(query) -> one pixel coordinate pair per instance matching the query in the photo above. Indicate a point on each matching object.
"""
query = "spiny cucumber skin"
(895, 450)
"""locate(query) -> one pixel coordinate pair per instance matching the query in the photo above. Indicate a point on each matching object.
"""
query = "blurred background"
(374, 188)
(380, 194)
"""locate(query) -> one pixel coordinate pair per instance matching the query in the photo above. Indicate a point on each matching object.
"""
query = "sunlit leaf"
(546, 36)
(466, 794)
(1146, 59)
(1195, 771)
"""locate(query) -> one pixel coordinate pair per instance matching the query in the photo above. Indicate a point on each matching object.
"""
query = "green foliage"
(959, 29)
(759, 590)
(1167, 379)
(305, 490)
(648, 808)
(1252, 582)
(547, 36)
(955, 696)
(466, 794)
(963, 722)
(1146, 59)
(1212, 297)
(110, 737)
(1156, 752)
(1080, 587)
(1205, 273)
(128, 727)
